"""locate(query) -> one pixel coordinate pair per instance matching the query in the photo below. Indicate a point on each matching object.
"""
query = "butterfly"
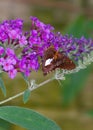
(53, 59)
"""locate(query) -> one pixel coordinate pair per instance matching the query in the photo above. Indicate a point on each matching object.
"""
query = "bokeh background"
(67, 104)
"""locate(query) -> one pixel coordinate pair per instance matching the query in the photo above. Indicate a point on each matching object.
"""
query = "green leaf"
(81, 27)
(2, 86)
(27, 118)
(89, 28)
(26, 95)
(77, 27)
(4, 125)
(75, 85)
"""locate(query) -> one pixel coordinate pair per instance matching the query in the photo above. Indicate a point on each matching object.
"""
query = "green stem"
(20, 94)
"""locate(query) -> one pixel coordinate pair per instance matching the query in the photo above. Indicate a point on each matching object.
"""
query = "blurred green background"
(66, 104)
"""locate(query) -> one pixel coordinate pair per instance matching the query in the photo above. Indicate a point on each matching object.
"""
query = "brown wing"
(48, 54)
(64, 62)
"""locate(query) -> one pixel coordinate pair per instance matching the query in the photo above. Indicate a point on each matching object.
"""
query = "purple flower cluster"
(23, 51)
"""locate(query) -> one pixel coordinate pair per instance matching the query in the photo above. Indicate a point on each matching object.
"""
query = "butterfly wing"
(64, 62)
(47, 60)
(53, 59)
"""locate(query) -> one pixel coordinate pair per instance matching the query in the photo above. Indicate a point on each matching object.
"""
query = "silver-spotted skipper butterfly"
(53, 59)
